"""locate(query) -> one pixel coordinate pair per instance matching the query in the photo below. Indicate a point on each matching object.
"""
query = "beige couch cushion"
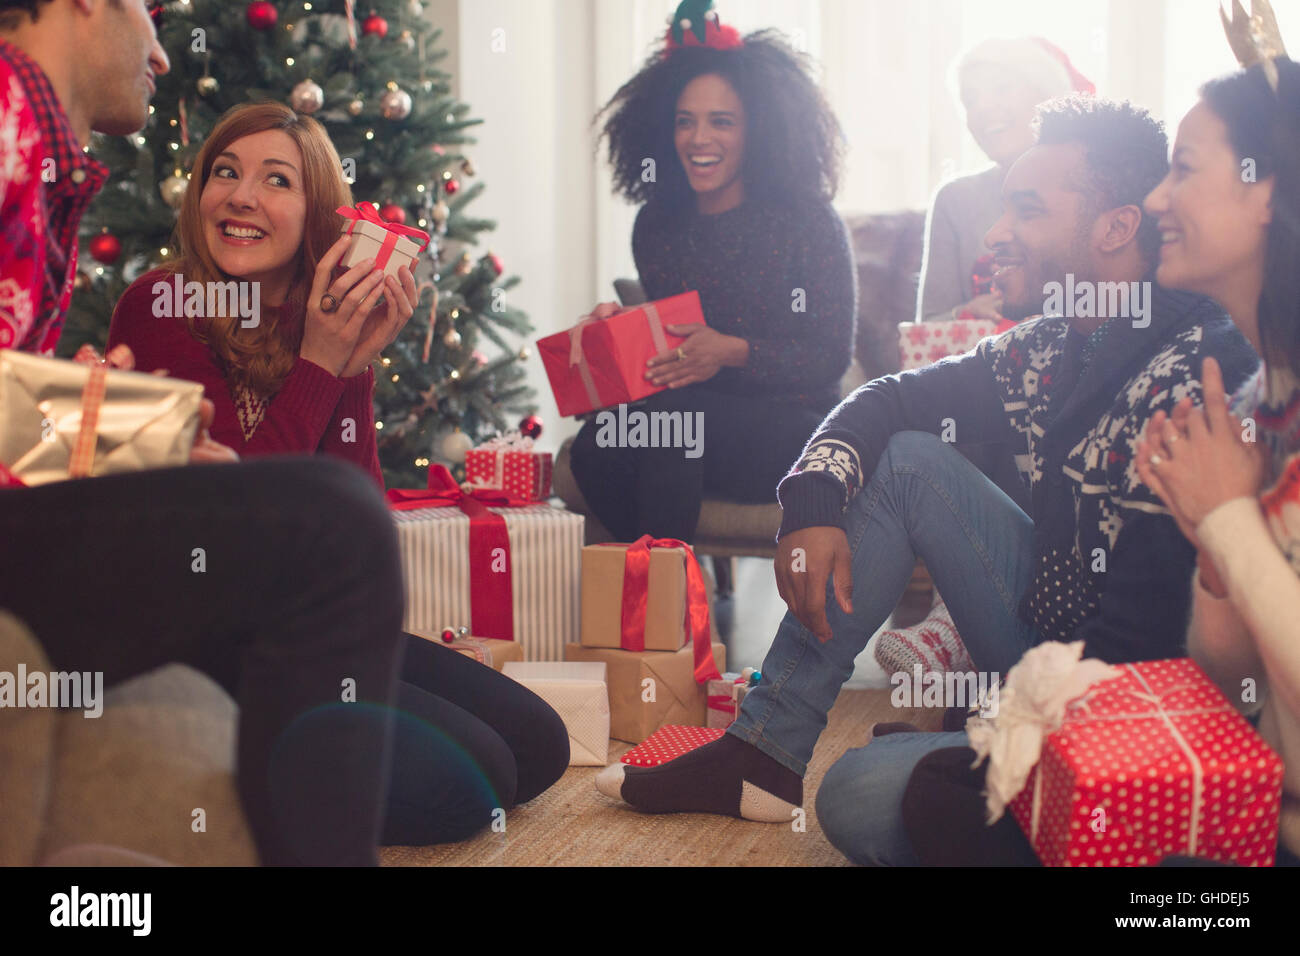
(26, 752)
(133, 778)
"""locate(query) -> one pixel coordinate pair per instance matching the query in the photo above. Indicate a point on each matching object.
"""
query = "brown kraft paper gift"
(602, 598)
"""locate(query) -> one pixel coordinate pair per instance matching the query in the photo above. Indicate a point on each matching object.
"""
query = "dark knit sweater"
(1090, 509)
(779, 276)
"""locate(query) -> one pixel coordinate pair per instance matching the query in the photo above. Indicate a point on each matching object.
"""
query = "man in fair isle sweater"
(1097, 558)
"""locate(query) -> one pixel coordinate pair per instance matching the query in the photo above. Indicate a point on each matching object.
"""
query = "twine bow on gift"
(366, 212)
(491, 592)
(578, 357)
(636, 587)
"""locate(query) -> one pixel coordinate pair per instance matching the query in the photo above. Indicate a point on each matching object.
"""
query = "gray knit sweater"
(963, 211)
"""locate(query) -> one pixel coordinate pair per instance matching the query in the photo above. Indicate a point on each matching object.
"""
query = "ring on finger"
(1157, 460)
(329, 303)
(681, 354)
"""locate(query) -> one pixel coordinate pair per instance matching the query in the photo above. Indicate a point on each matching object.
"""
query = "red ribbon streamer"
(490, 591)
(636, 586)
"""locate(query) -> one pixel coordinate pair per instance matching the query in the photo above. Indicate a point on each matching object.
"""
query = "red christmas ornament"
(448, 635)
(531, 426)
(105, 248)
(451, 186)
(374, 26)
(262, 15)
(393, 213)
(498, 264)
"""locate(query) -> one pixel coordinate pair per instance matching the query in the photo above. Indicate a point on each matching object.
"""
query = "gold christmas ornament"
(307, 97)
(395, 104)
(440, 212)
(82, 282)
(451, 339)
(1254, 38)
(173, 189)
(207, 85)
(467, 168)
(355, 107)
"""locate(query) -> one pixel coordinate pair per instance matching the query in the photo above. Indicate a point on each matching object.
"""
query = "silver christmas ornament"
(395, 104)
(454, 446)
(173, 189)
(207, 85)
(307, 97)
(451, 339)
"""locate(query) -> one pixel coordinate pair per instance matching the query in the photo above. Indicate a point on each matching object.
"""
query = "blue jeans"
(924, 500)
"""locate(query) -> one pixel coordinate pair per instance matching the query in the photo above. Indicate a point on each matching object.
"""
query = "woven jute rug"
(574, 825)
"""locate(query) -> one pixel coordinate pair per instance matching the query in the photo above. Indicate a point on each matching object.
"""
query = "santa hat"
(1035, 61)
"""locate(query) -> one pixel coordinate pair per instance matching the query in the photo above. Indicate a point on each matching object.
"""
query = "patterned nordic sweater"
(1112, 567)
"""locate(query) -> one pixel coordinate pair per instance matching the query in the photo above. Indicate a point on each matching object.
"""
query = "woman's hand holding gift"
(337, 309)
(385, 321)
(699, 358)
(1197, 459)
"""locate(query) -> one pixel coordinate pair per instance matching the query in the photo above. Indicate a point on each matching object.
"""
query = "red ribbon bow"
(491, 594)
(636, 586)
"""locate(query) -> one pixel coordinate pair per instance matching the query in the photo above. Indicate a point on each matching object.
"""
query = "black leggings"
(280, 579)
(469, 741)
(750, 442)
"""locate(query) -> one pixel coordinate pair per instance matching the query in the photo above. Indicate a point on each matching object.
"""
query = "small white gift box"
(577, 692)
(390, 244)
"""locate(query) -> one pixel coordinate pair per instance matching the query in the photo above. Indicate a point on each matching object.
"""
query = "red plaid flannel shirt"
(46, 183)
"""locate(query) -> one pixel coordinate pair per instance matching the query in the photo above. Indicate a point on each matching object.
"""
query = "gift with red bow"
(507, 567)
(391, 244)
(509, 463)
(1126, 765)
(602, 362)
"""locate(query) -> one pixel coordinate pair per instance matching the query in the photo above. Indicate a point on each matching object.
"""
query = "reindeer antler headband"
(1255, 38)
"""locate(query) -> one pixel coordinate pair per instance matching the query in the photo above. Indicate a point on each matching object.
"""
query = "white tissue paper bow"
(507, 441)
(1031, 704)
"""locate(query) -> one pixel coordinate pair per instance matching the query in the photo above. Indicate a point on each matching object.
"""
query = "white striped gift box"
(545, 567)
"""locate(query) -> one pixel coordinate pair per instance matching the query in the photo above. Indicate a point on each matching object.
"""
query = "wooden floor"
(574, 825)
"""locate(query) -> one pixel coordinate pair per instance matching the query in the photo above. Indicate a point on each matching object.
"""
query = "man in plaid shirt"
(98, 72)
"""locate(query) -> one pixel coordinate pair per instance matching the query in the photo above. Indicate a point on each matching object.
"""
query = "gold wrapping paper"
(602, 598)
(677, 698)
(146, 421)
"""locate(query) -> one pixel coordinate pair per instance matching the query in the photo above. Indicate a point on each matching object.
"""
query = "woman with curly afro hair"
(733, 153)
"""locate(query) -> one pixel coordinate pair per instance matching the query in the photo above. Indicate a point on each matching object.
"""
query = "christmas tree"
(370, 78)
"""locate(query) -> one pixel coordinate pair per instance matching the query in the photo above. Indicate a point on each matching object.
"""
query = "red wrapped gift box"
(599, 363)
(518, 471)
(1153, 763)
(668, 743)
(924, 343)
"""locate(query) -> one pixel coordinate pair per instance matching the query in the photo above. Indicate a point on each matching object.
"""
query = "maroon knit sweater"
(308, 414)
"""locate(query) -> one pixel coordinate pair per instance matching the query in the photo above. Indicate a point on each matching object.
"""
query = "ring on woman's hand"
(328, 303)
(1172, 437)
(681, 356)
(1156, 460)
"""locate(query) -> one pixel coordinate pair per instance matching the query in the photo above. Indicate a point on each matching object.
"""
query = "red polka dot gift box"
(924, 343)
(1153, 763)
(668, 743)
(508, 463)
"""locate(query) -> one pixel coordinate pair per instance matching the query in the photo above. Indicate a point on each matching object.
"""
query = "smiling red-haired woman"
(243, 308)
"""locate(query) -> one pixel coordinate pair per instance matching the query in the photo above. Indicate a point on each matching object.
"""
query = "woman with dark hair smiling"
(734, 155)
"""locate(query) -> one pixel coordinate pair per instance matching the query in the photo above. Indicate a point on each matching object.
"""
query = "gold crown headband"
(1255, 38)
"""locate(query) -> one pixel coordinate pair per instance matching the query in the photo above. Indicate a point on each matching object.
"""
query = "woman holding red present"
(734, 155)
(295, 377)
